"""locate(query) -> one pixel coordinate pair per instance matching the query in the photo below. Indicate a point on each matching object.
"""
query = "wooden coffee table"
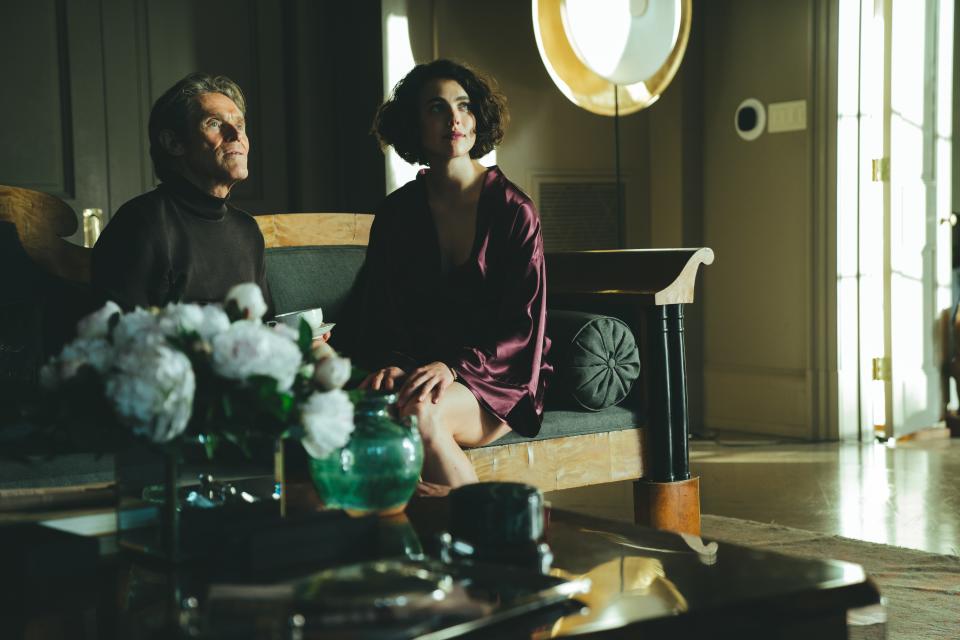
(646, 584)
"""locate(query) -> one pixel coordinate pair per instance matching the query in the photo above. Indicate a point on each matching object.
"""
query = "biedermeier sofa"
(313, 259)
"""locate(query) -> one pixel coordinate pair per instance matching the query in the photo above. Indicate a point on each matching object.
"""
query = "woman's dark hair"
(174, 108)
(397, 122)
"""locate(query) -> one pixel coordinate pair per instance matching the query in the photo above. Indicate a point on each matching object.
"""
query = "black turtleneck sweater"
(177, 244)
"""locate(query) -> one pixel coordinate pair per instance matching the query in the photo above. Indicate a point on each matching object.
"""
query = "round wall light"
(612, 89)
(750, 119)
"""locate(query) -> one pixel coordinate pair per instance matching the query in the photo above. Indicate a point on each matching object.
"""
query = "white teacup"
(314, 318)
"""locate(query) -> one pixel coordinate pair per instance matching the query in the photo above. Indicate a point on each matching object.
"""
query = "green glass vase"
(378, 470)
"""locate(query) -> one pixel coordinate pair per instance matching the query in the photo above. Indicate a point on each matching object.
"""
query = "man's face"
(215, 150)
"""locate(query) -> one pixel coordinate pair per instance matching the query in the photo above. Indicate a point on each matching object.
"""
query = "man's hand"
(428, 381)
(385, 379)
(321, 339)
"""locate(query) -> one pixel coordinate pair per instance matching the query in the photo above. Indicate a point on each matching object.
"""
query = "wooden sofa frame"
(652, 286)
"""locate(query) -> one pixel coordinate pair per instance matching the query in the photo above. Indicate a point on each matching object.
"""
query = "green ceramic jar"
(378, 470)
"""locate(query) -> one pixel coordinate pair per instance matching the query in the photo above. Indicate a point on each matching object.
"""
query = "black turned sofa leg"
(667, 498)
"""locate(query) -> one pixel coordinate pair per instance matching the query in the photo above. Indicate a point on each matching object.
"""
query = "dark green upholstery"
(321, 276)
(559, 423)
(58, 471)
(308, 277)
(595, 358)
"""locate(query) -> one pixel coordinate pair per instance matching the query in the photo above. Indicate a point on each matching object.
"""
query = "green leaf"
(227, 406)
(210, 443)
(265, 386)
(241, 441)
(305, 340)
(294, 432)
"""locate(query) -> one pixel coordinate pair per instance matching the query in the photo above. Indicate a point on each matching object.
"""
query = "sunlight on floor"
(906, 496)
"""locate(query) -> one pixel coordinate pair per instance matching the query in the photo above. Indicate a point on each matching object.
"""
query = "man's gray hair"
(174, 108)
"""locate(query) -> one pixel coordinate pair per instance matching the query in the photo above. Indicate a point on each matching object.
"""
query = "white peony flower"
(139, 326)
(249, 348)
(97, 324)
(249, 300)
(322, 350)
(96, 352)
(215, 321)
(287, 332)
(151, 388)
(332, 373)
(327, 418)
(206, 320)
(178, 318)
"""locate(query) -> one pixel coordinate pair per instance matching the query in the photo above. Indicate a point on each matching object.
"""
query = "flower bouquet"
(191, 373)
(155, 384)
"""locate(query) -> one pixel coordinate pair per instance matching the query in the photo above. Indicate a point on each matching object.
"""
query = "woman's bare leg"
(446, 427)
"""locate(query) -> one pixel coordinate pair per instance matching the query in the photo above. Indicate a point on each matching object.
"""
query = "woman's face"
(448, 128)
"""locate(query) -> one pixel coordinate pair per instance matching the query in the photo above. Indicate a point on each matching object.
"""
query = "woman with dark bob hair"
(450, 307)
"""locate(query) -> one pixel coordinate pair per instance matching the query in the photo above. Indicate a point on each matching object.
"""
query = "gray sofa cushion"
(595, 357)
(307, 277)
(56, 471)
(558, 423)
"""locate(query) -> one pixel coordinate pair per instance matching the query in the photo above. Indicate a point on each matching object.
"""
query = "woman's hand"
(430, 380)
(385, 379)
(432, 489)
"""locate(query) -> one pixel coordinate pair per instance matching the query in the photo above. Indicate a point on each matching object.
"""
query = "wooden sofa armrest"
(652, 277)
(42, 222)
(308, 229)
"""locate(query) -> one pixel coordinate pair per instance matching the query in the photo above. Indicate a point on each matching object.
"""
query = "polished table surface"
(649, 583)
(645, 583)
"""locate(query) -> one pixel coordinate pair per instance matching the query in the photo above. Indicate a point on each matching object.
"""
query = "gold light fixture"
(651, 34)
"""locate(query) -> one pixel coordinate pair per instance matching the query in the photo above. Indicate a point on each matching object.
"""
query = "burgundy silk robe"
(485, 318)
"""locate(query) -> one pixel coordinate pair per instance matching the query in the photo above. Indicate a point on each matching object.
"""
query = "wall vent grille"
(579, 213)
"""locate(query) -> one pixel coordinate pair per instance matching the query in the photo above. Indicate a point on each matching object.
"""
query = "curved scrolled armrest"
(650, 276)
(42, 221)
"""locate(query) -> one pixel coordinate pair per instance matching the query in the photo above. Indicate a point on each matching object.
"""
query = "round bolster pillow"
(595, 358)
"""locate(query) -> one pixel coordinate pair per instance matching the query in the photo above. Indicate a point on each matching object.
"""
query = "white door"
(894, 260)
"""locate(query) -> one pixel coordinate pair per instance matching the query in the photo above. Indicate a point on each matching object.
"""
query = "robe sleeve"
(367, 334)
(505, 366)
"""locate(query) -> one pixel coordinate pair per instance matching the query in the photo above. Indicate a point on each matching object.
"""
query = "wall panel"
(54, 133)
(242, 40)
(759, 215)
(35, 33)
(752, 399)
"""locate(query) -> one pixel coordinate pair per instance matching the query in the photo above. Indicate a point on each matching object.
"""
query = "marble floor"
(907, 495)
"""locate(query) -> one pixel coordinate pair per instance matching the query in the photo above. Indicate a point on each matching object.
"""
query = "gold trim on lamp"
(585, 88)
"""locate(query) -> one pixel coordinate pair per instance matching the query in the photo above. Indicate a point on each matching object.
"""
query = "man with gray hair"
(183, 241)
